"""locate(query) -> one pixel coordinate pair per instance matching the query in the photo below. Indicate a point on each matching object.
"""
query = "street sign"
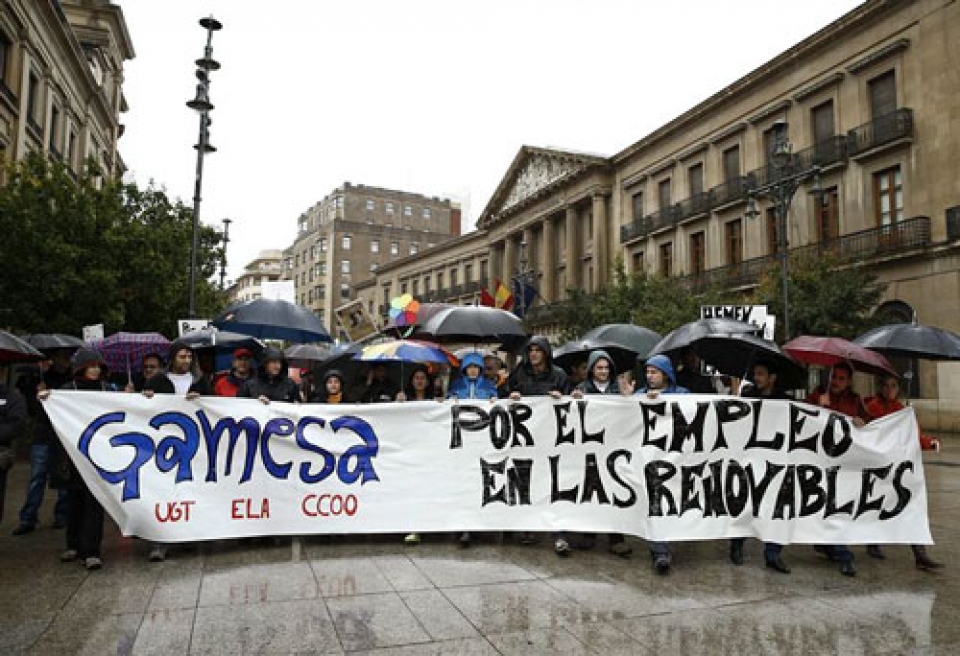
(755, 314)
(93, 332)
(189, 325)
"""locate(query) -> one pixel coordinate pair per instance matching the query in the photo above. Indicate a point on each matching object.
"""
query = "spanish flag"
(486, 299)
(502, 296)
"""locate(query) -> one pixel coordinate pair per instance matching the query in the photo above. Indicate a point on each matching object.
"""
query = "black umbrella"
(473, 323)
(735, 355)
(688, 333)
(637, 339)
(580, 349)
(222, 340)
(13, 349)
(307, 355)
(54, 341)
(912, 340)
(273, 319)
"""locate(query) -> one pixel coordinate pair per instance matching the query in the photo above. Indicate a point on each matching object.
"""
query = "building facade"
(343, 240)
(869, 102)
(267, 266)
(61, 77)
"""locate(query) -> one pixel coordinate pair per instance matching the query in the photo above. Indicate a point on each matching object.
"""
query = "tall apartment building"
(267, 266)
(61, 76)
(343, 239)
(870, 99)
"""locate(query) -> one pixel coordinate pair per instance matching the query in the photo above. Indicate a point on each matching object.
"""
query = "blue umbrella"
(273, 319)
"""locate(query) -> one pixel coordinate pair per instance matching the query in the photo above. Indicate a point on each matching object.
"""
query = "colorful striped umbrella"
(407, 350)
(125, 351)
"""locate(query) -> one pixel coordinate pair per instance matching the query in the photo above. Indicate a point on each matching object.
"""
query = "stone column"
(509, 264)
(574, 265)
(531, 250)
(548, 261)
(600, 264)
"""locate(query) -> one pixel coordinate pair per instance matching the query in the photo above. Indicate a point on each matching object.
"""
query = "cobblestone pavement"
(359, 595)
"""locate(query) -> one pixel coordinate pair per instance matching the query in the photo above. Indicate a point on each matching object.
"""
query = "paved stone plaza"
(374, 594)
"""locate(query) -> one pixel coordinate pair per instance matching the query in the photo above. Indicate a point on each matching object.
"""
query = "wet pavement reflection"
(374, 595)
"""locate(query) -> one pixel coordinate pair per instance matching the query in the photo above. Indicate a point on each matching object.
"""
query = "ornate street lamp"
(521, 281)
(785, 177)
(223, 253)
(201, 103)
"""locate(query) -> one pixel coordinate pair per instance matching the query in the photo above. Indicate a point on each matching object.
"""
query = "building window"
(408, 210)
(296, 259)
(888, 195)
(734, 240)
(663, 194)
(389, 208)
(339, 202)
(426, 285)
(883, 94)
(731, 164)
(416, 286)
(344, 291)
(695, 178)
(467, 273)
(323, 244)
(453, 277)
(374, 245)
(321, 291)
(483, 269)
(310, 296)
(344, 266)
(323, 268)
(773, 234)
(346, 241)
(313, 253)
(33, 99)
(403, 288)
(54, 129)
(770, 138)
(638, 264)
(440, 280)
(426, 212)
(414, 248)
(71, 151)
(666, 259)
(636, 203)
(6, 46)
(821, 117)
(394, 248)
(698, 253)
(371, 205)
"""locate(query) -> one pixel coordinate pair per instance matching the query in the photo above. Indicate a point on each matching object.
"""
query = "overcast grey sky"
(431, 96)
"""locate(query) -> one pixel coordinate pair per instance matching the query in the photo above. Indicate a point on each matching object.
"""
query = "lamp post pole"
(202, 104)
(520, 280)
(223, 256)
(785, 179)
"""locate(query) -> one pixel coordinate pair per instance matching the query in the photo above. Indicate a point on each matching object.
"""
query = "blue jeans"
(39, 470)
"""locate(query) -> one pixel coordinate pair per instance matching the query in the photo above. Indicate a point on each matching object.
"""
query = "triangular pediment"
(534, 171)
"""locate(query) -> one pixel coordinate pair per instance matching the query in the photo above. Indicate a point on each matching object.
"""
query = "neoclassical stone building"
(61, 77)
(870, 101)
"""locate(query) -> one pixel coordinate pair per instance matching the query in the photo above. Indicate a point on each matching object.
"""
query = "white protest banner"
(278, 290)
(681, 467)
(755, 314)
(189, 325)
(93, 332)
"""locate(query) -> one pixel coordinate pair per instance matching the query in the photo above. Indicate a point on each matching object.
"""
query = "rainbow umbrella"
(403, 310)
(407, 350)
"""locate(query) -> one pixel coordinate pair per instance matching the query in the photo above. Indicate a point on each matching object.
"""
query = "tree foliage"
(660, 304)
(826, 296)
(80, 250)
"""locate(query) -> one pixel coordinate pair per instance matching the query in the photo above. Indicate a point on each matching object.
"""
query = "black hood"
(543, 343)
(86, 356)
(334, 373)
(272, 353)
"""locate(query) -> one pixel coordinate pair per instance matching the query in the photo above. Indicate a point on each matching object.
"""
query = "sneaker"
(68, 556)
(23, 529)
(561, 547)
(662, 565)
(464, 540)
(874, 551)
(736, 552)
(621, 549)
(92, 563)
(158, 554)
(412, 538)
(847, 568)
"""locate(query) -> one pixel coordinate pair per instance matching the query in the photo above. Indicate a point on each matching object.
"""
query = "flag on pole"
(486, 299)
(502, 296)
(525, 292)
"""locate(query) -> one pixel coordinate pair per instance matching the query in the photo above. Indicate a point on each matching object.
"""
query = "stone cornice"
(767, 112)
(877, 56)
(817, 87)
(634, 180)
(734, 129)
(694, 150)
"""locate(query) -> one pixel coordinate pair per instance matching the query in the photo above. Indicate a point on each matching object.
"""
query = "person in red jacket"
(230, 384)
(840, 397)
(885, 403)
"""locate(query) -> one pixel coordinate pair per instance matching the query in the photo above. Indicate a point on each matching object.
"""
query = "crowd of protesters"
(182, 372)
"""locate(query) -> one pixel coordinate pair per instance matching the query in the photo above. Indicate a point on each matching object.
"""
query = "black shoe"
(736, 553)
(874, 551)
(561, 547)
(925, 562)
(778, 565)
(847, 568)
(464, 540)
(662, 565)
(23, 529)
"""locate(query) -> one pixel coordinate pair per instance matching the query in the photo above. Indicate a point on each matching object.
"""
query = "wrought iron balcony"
(881, 131)
(863, 245)
(823, 154)
(731, 190)
(700, 203)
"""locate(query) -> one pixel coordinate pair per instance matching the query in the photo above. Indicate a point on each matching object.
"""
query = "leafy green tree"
(658, 303)
(826, 296)
(84, 249)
